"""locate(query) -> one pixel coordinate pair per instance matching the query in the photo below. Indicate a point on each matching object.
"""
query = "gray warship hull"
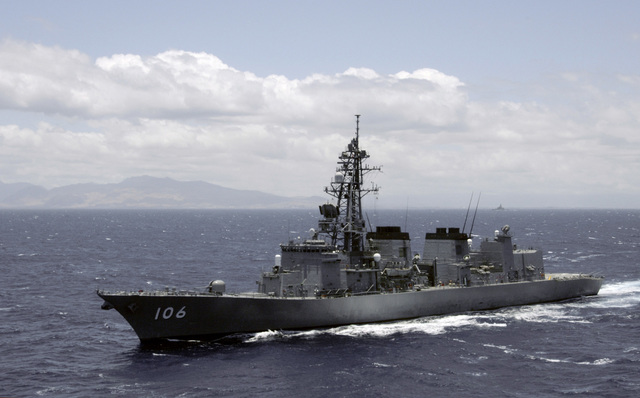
(197, 316)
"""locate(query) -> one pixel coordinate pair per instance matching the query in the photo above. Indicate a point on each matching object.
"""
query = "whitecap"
(597, 362)
(603, 361)
(510, 351)
(269, 335)
(383, 365)
(429, 325)
(620, 288)
(617, 295)
(503, 348)
(547, 313)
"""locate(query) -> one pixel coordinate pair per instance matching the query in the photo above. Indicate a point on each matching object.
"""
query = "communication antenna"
(467, 216)
(406, 215)
(474, 214)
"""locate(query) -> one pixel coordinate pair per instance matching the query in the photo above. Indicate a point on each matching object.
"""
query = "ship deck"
(256, 295)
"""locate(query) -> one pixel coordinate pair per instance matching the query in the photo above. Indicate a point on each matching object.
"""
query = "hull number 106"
(169, 312)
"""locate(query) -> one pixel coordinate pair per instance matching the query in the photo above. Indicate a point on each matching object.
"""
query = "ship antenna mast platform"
(344, 222)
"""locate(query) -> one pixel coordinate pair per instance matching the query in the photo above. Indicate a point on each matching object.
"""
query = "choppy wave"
(59, 342)
(544, 358)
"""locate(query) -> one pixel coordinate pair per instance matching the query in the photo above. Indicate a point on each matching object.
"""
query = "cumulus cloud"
(181, 84)
(190, 116)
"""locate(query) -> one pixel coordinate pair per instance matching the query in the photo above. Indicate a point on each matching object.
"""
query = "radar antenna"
(344, 222)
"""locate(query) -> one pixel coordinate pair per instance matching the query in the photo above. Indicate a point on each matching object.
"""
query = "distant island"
(144, 192)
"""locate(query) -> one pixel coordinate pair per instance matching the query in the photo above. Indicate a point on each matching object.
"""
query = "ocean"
(56, 341)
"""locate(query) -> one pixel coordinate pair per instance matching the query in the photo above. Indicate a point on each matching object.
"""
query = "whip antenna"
(467, 216)
(474, 214)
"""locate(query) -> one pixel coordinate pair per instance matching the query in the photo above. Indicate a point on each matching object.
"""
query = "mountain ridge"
(144, 192)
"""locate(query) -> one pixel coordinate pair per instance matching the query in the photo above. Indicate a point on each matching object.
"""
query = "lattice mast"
(348, 227)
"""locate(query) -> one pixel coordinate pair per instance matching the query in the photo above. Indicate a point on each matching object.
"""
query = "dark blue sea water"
(55, 340)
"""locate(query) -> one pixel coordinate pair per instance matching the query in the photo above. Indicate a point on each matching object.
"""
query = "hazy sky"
(533, 103)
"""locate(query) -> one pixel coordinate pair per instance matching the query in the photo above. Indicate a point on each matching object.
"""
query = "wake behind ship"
(346, 273)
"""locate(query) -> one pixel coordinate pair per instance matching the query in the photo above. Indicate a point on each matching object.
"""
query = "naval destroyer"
(348, 273)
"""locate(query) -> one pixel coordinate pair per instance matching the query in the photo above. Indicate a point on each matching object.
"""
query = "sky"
(530, 103)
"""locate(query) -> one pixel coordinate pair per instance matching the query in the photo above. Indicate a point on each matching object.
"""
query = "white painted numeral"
(168, 313)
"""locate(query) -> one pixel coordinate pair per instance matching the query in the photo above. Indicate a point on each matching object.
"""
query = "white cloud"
(363, 73)
(192, 117)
